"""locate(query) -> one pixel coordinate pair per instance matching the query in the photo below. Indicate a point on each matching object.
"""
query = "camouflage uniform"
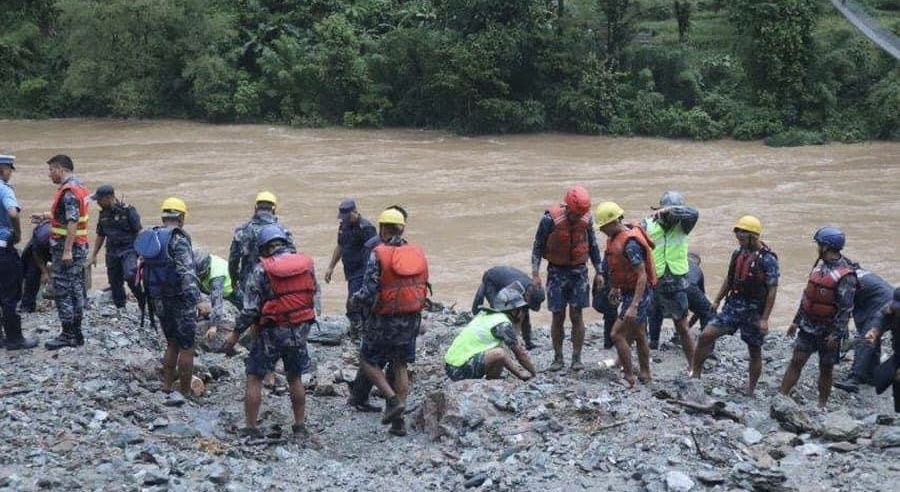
(742, 312)
(287, 343)
(811, 336)
(178, 314)
(68, 279)
(385, 338)
(243, 254)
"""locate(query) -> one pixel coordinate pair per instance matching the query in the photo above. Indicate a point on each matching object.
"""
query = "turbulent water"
(474, 202)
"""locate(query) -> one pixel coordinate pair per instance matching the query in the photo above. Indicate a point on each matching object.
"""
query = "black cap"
(102, 191)
(347, 206)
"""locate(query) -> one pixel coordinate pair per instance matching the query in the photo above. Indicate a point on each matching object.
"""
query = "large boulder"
(840, 426)
(461, 406)
(789, 415)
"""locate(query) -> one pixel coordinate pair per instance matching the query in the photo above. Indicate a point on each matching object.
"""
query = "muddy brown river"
(474, 202)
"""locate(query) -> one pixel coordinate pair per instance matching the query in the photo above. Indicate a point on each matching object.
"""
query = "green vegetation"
(792, 72)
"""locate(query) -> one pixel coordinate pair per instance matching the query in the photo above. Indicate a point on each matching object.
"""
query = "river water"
(474, 202)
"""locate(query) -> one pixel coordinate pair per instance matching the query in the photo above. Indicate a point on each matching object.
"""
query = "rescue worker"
(497, 278)
(565, 237)
(35, 258)
(479, 350)
(888, 320)
(353, 233)
(170, 283)
(214, 281)
(243, 254)
(10, 263)
(395, 286)
(632, 276)
(749, 291)
(668, 228)
(824, 312)
(118, 226)
(873, 295)
(69, 250)
(280, 305)
(698, 303)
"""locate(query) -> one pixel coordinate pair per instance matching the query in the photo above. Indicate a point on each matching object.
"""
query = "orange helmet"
(578, 200)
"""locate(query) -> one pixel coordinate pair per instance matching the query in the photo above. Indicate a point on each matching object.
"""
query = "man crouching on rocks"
(477, 351)
(280, 302)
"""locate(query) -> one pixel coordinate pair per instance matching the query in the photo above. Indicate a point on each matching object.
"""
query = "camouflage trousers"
(68, 285)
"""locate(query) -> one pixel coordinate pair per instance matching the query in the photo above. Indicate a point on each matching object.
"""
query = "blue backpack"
(158, 271)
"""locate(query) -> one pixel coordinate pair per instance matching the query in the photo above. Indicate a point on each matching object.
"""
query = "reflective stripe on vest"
(291, 278)
(404, 279)
(621, 272)
(475, 337)
(671, 250)
(58, 229)
(218, 267)
(567, 244)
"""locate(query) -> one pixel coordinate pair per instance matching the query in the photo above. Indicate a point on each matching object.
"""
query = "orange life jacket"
(621, 273)
(57, 228)
(404, 279)
(291, 278)
(746, 276)
(820, 298)
(567, 245)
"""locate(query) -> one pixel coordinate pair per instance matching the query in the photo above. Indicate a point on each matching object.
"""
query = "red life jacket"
(291, 278)
(820, 297)
(746, 276)
(58, 229)
(621, 273)
(404, 279)
(567, 245)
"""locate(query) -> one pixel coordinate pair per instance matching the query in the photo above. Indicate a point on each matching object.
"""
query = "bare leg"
(401, 380)
(185, 370)
(826, 373)
(577, 333)
(755, 367)
(298, 398)
(170, 358)
(378, 379)
(687, 343)
(704, 347)
(252, 400)
(495, 360)
(643, 348)
(620, 336)
(792, 374)
(557, 334)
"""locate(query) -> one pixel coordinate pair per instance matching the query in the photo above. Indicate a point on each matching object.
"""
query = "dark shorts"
(287, 344)
(644, 307)
(673, 305)
(379, 352)
(178, 320)
(567, 286)
(474, 368)
(730, 320)
(809, 343)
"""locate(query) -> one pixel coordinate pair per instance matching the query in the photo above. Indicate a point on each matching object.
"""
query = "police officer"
(698, 303)
(170, 283)
(10, 263)
(668, 228)
(499, 277)
(69, 249)
(886, 320)
(35, 258)
(874, 293)
(394, 287)
(353, 233)
(243, 254)
(280, 301)
(118, 226)
(821, 320)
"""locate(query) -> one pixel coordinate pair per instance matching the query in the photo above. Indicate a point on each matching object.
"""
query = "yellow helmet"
(176, 204)
(607, 212)
(266, 196)
(391, 216)
(749, 223)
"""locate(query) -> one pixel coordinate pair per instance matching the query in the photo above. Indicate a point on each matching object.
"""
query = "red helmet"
(578, 200)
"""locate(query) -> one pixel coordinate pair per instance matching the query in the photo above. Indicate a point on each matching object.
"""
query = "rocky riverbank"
(93, 419)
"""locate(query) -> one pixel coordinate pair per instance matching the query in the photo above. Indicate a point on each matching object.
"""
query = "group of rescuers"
(645, 274)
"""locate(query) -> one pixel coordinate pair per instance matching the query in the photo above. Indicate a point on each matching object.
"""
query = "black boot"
(76, 331)
(65, 339)
(14, 338)
(359, 393)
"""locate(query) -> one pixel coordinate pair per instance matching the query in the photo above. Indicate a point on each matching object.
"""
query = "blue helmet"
(671, 198)
(269, 233)
(831, 237)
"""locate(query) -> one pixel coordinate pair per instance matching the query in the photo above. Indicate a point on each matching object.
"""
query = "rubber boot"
(66, 338)
(76, 331)
(14, 338)
(865, 359)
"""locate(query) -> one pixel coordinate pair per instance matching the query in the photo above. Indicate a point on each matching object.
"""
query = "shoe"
(849, 384)
(393, 410)
(305, 438)
(251, 432)
(608, 344)
(13, 340)
(577, 365)
(398, 427)
(76, 330)
(556, 365)
(22, 344)
(529, 345)
(364, 407)
(654, 344)
(65, 339)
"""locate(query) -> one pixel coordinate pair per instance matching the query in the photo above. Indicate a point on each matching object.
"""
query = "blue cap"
(8, 160)
(347, 206)
(102, 191)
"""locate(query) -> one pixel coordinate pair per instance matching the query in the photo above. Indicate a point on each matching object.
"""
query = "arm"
(72, 211)
(234, 259)
(770, 264)
(594, 249)
(545, 227)
(335, 257)
(217, 300)
(368, 293)
(252, 296)
(846, 291)
(636, 258)
(180, 248)
(98, 243)
(507, 333)
(684, 216)
(12, 210)
(134, 220)
(317, 297)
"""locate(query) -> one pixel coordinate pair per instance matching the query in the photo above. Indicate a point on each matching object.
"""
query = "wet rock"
(218, 474)
(325, 383)
(460, 406)
(839, 426)
(751, 477)
(174, 399)
(886, 437)
(476, 481)
(677, 481)
(843, 447)
(811, 449)
(789, 415)
(710, 478)
(154, 477)
(751, 436)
